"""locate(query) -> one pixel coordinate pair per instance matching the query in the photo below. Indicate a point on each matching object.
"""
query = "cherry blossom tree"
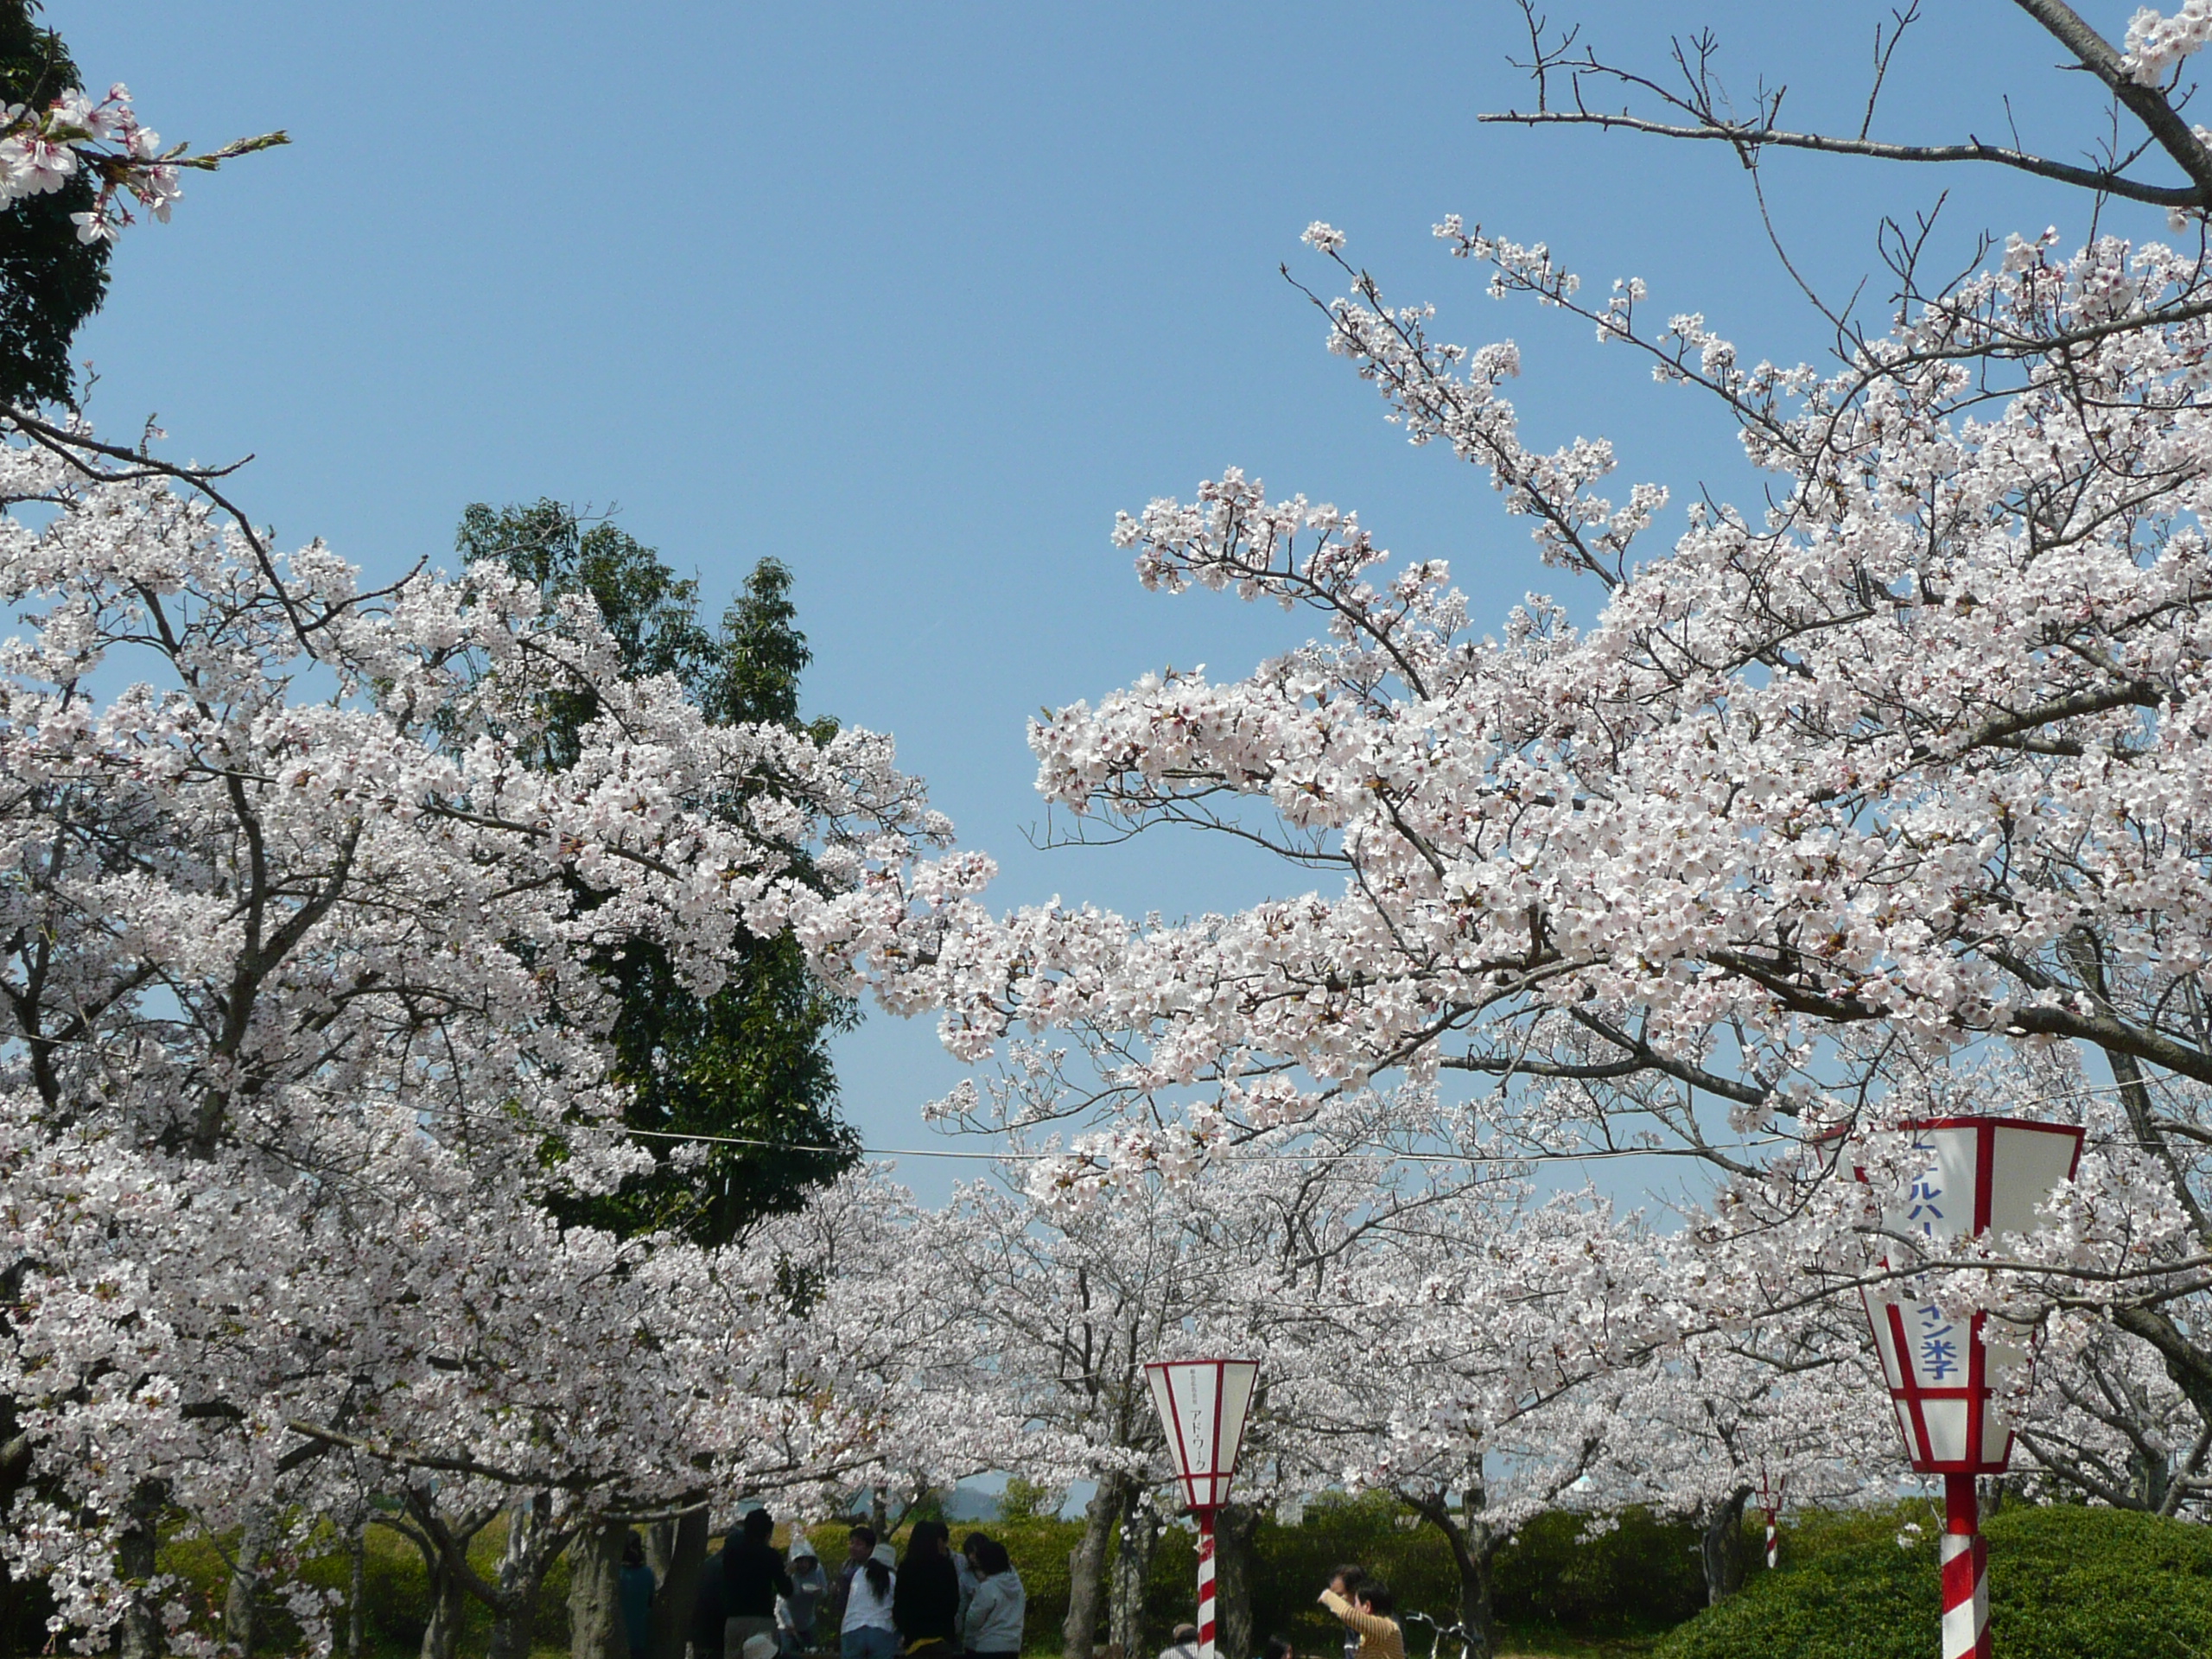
(302, 1037)
(1879, 799)
(1299, 1251)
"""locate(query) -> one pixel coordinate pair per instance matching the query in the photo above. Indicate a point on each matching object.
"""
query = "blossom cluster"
(43, 149)
(2155, 42)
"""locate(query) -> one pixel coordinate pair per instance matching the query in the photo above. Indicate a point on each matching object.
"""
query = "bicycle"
(1459, 1634)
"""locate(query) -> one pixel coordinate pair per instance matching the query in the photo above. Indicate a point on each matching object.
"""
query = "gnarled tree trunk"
(680, 1552)
(595, 1630)
(356, 1582)
(1235, 1527)
(1087, 1567)
(1720, 1544)
(441, 1635)
(1132, 1574)
(139, 1634)
(1474, 1543)
(242, 1602)
(533, 1545)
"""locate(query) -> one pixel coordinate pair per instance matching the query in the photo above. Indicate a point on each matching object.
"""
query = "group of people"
(1362, 1602)
(934, 1604)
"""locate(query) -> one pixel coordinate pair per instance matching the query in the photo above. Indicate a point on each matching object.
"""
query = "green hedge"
(1639, 1577)
(2064, 1583)
(396, 1591)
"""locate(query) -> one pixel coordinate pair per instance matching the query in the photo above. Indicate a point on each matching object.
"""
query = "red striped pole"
(1205, 1584)
(1966, 1572)
(1773, 1541)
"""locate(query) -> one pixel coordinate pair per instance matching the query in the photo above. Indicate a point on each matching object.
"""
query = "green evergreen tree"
(753, 1060)
(49, 281)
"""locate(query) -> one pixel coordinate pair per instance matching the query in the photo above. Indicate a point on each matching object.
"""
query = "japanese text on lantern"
(1937, 1338)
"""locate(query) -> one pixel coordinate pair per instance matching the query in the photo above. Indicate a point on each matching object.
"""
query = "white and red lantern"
(1203, 1406)
(1947, 1375)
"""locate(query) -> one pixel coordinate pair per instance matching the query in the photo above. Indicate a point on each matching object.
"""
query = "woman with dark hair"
(993, 1629)
(970, 1575)
(927, 1606)
(866, 1631)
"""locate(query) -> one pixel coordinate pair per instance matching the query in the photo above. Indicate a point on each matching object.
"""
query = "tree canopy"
(751, 1061)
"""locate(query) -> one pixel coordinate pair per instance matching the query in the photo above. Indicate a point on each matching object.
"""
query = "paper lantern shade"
(1203, 1404)
(1946, 1374)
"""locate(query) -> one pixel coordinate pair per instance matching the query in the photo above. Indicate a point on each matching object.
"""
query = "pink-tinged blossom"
(43, 149)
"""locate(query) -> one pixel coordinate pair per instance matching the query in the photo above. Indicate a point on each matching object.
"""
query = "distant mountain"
(970, 1503)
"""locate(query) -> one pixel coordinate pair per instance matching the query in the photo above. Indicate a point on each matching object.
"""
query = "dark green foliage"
(1025, 1500)
(1040, 1549)
(2063, 1582)
(753, 1060)
(49, 281)
(1294, 1562)
(1640, 1576)
(24, 1609)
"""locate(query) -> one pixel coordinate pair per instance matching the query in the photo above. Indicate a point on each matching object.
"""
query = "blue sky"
(915, 297)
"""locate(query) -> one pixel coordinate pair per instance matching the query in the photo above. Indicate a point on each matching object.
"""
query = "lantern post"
(1947, 1376)
(1203, 1405)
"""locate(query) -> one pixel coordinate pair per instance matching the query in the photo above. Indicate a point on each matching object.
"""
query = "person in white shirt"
(866, 1631)
(1187, 1643)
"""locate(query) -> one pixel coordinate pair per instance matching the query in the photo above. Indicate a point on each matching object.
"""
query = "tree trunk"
(1087, 1567)
(441, 1635)
(242, 1601)
(1474, 1543)
(139, 1634)
(879, 1512)
(1132, 1575)
(357, 1578)
(529, 1552)
(1235, 1528)
(682, 1564)
(595, 1630)
(1720, 1544)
